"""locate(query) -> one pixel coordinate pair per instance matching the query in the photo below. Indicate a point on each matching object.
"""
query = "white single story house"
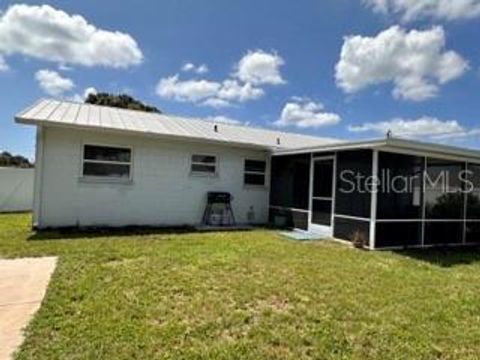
(103, 166)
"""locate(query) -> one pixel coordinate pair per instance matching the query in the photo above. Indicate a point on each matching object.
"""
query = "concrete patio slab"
(23, 283)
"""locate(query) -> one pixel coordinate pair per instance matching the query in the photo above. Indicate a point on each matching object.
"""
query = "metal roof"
(70, 114)
(392, 144)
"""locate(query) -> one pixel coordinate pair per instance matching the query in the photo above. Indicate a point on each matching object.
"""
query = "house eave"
(46, 123)
(393, 145)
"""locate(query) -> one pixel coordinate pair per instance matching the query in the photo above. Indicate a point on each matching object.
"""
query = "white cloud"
(410, 10)
(63, 67)
(461, 135)
(88, 91)
(423, 128)
(200, 69)
(296, 98)
(233, 90)
(260, 67)
(187, 90)
(223, 120)
(3, 64)
(53, 83)
(416, 62)
(413, 128)
(81, 98)
(306, 114)
(46, 33)
(188, 67)
(210, 93)
(216, 103)
(253, 70)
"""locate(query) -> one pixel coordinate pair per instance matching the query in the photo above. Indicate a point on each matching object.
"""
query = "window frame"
(106, 179)
(425, 221)
(249, 172)
(204, 173)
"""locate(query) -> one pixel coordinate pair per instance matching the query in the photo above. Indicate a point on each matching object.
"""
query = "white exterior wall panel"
(162, 191)
(16, 189)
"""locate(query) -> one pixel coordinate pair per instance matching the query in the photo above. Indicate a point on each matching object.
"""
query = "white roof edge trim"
(391, 143)
(148, 134)
(341, 145)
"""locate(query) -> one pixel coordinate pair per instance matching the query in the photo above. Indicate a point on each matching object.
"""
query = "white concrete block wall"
(16, 189)
(163, 192)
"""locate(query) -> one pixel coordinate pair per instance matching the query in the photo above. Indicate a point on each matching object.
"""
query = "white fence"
(16, 189)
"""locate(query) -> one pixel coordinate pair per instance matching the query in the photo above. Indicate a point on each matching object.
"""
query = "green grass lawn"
(245, 295)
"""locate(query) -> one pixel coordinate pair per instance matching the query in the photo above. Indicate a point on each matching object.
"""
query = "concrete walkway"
(23, 283)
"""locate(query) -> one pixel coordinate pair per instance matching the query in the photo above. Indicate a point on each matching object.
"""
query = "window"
(473, 194)
(400, 194)
(107, 162)
(254, 172)
(353, 201)
(290, 176)
(204, 164)
(444, 198)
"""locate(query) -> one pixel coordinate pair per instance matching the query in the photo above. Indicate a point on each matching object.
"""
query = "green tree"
(9, 160)
(119, 101)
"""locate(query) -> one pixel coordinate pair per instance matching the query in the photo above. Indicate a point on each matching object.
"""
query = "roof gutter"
(389, 144)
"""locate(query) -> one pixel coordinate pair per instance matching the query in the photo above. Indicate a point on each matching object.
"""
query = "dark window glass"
(104, 161)
(104, 153)
(473, 232)
(400, 191)
(438, 233)
(444, 198)
(351, 199)
(347, 229)
(288, 218)
(254, 172)
(203, 168)
(398, 234)
(322, 212)
(106, 170)
(204, 164)
(290, 177)
(255, 165)
(207, 159)
(322, 178)
(473, 192)
(254, 179)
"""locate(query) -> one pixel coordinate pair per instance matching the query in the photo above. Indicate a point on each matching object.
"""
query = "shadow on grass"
(89, 233)
(445, 256)
(73, 233)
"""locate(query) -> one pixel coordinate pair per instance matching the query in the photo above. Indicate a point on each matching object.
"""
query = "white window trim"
(264, 173)
(204, 173)
(106, 179)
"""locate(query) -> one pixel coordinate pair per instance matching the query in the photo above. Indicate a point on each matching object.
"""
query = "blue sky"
(415, 72)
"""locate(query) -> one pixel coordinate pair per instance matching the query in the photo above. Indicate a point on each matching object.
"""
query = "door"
(322, 195)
